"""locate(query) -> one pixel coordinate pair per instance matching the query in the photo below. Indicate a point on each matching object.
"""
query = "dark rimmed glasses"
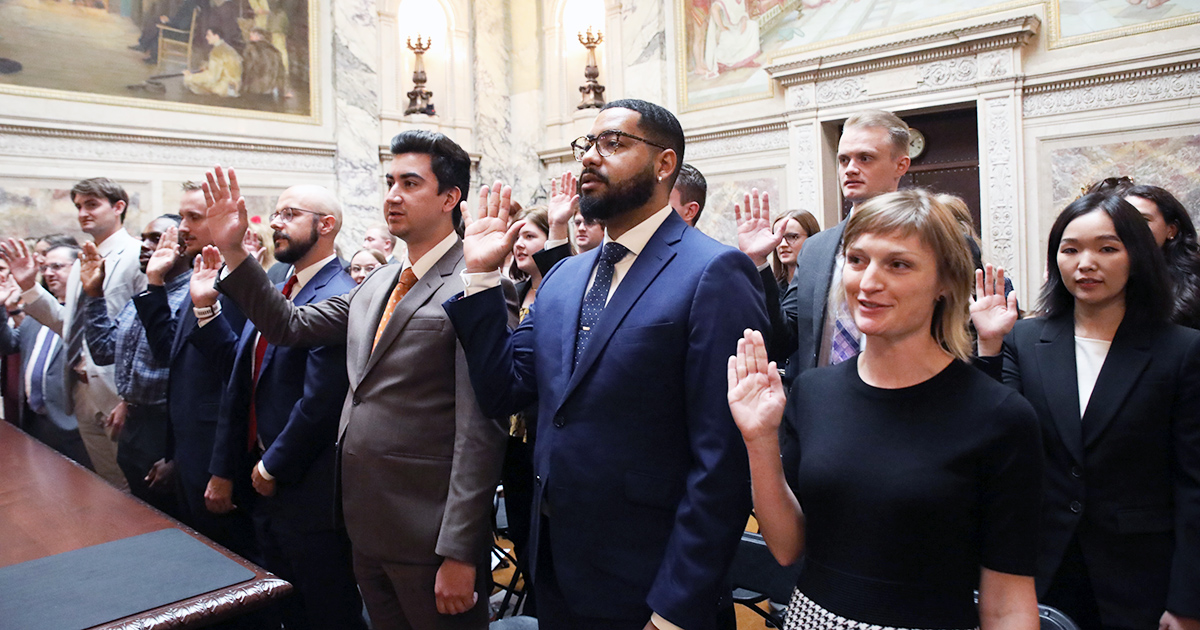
(607, 143)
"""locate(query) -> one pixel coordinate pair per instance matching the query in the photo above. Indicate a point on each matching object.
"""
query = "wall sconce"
(419, 99)
(593, 92)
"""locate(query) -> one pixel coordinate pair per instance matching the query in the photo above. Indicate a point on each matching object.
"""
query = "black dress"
(907, 493)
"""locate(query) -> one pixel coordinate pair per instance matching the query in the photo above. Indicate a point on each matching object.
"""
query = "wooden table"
(50, 505)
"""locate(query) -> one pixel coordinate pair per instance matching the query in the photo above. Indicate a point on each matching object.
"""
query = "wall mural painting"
(240, 54)
(717, 220)
(37, 210)
(1166, 162)
(725, 45)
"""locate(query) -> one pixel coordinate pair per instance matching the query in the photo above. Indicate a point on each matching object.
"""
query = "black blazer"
(798, 316)
(1126, 478)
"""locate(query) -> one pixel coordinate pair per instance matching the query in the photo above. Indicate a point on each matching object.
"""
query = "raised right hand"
(205, 269)
(164, 257)
(21, 264)
(754, 234)
(756, 396)
(560, 206)
(10, 293)
(993, 314)
(226, 212)
(218, 496)
(91, 270)
(488, 238)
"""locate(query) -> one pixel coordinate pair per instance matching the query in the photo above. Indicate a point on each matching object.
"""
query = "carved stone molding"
(844, 90)
(799, 96)
(804, 147)
(16, 140)
(1127, 88)
(745, 140)
(996, 64)
(1001, 180)
(948, 72)
(1006, 34)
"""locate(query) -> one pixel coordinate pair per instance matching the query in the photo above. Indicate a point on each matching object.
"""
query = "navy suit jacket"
(637, 453)
(194, 388)
(1125, 478)
(298, 404)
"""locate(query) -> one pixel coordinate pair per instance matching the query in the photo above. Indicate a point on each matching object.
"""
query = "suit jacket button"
(1077, 472)
(356, 401)
(1076, 507)
(559, 421)
(537, 479)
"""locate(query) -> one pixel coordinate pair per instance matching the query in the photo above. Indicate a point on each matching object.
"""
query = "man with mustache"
(140, 422)
(198, 375)
(641, 489)
(285, 403)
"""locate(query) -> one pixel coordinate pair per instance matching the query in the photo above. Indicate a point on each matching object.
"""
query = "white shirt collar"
(306, 274)
(115, 242)
(426, 262)
(636, 237)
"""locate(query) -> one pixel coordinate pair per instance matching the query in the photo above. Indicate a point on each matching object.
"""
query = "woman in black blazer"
(1120, 540)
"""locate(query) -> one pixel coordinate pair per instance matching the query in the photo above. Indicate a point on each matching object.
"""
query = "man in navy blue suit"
(641, 487)
(196, 382)
(279, 422)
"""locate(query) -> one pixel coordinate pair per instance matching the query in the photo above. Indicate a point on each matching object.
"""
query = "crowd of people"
(927, 453)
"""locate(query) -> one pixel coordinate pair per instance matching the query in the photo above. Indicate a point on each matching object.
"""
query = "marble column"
(493, 125)
(356, 114)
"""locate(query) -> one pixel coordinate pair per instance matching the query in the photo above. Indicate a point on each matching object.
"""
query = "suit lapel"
(821, 289)
(1055, 353)
(359, 346)
(418, 296)
(1127, 358)
(657, 253)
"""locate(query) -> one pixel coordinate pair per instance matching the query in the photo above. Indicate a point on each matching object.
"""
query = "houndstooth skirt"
(805, 614)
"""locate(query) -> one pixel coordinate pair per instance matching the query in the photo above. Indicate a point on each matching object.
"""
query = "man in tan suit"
(419, 462)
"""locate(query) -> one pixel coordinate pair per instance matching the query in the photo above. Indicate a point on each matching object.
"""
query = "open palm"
(203, 285)
(756, 397)
(488, 238)
(754, 234)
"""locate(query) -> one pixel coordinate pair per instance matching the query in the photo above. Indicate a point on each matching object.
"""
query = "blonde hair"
(914, 211)
(962, 213)
(897, 130)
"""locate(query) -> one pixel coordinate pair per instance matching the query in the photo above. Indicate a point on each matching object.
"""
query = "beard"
(295, 248)
(623, 197)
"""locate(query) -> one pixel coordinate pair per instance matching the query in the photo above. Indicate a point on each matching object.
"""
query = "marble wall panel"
(1166, 162)
(356, 88)
(724, 191)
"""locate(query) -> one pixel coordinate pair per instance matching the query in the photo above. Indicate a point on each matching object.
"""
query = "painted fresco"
(250, 55)
(725, 45)
(1166, 162)
(33, 211)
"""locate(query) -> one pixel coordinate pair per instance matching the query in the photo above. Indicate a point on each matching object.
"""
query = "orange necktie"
(407, 280)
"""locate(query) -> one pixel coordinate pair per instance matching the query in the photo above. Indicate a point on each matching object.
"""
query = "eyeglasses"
(791, 239)
(289, 213)
(1108, 185)
(607, 143)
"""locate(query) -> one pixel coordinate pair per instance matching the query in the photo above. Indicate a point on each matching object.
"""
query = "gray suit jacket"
(797, 323)
(123, 279)
(23, 339)
(419, 461)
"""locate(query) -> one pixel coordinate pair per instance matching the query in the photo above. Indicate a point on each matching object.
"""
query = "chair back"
(755, 569)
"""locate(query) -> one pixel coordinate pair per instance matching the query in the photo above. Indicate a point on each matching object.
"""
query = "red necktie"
(260, 350)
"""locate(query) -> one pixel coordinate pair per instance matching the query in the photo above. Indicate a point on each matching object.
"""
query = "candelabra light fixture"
(591, 90)
(420, 100)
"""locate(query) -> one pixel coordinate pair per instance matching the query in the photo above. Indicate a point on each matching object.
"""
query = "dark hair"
(1148, 290)
(448, 161)
(1182, 253)
(174, 218)
(74, 251)
(538, 217)
(658, 125)
(102, 187)
(692, 187)
(59, 240)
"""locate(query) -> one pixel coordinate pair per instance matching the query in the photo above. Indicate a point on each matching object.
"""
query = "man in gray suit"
(872, 157)
(41, 352)
(419, 462)
(91, 389)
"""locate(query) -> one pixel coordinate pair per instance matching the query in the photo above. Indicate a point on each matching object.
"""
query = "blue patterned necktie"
(37, 396)
(845, 344)
(597, 296)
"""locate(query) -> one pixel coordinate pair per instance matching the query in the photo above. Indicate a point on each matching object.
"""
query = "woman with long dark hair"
(1116, 387)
